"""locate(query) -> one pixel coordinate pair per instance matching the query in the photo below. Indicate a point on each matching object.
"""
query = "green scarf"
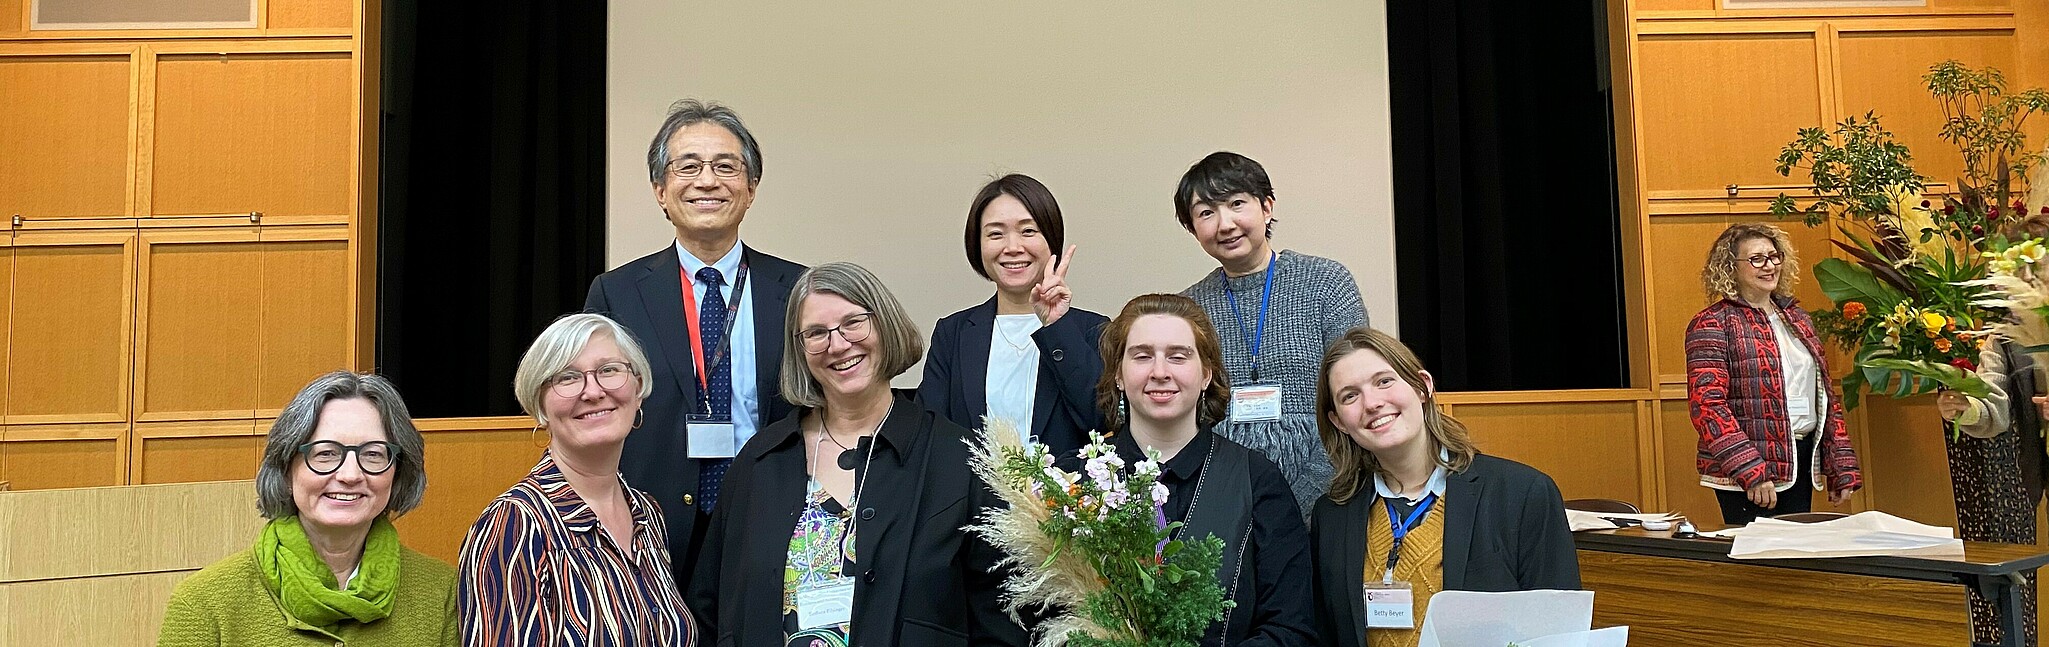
(306, 587)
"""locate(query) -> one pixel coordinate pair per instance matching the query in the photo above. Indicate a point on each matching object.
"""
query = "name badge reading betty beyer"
(1255, 402)
(711, 437)
(1390, 605)
(825, 605)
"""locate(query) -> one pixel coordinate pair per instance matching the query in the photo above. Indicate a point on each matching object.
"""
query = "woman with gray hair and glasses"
(342, 458)
(572, 555)
(841, 524)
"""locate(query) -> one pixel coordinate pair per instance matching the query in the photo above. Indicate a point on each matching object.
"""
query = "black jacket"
(1504, 530)
(922, 580)
(1064, 409)
(646, 296)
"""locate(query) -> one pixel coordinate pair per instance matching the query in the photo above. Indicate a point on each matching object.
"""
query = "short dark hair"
(1220, 175)
(686, 112)
(1038, 201)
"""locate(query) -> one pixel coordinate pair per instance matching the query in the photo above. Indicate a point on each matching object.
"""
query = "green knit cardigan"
(227, 604)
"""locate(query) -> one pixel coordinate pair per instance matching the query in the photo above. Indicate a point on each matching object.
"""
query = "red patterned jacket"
(1735, 390)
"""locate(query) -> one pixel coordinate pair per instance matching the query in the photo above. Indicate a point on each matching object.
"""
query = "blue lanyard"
(1265, 298)
(1402, 528)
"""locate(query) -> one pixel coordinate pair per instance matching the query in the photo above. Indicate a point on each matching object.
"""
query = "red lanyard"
(690, 323)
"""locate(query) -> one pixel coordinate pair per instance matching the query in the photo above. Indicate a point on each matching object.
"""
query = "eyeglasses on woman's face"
(611, 376)
(1760, 261)
(853, 329)
(326, 456)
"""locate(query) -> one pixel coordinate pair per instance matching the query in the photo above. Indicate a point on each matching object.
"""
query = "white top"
(1804, 397)
(740, 352)
(1013, 371)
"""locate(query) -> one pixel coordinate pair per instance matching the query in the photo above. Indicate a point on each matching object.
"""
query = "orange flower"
(1942, 345)
(1853, 310)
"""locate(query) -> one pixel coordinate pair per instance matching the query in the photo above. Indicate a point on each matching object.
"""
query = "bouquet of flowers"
(1913, 301)
(1095, 547)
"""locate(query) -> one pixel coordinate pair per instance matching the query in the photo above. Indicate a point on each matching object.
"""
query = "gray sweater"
(1314, 302)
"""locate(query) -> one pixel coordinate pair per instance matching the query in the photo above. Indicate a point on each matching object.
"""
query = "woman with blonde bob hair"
(841, 524)
(572, 554)
(1164, 391)
(1758, 387)
(1397, 456)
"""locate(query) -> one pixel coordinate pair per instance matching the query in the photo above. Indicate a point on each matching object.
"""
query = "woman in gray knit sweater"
(1275, 314)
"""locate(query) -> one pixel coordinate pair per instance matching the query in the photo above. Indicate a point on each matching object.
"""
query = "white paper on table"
(1469, 618)
(1604, 637)
(1583, 520)
(1863, 534)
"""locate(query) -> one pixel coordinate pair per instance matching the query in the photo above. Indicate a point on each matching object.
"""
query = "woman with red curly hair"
(1758, 387)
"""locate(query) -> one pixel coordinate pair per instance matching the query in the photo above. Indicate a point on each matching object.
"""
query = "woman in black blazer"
(1398, 457)
(1025, 354)
(1165, 392)
(842, 522)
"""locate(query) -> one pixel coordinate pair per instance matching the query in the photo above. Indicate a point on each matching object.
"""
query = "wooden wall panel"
(111, 610)
(95, 566)
(1714, 110)
(335, 15)
(247, 132)
(69, 328)
(1558, 437)
(1881, 71)
(1904, 462)
(199, 325)
(64, 136)
(105, 531)
(197, 459)
(1644, 6)
(11, 16)
(305, 316)
(47, 464)
(469, 462)
(1680, 243)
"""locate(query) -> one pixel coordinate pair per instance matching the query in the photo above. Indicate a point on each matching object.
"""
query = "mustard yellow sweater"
(227, 604)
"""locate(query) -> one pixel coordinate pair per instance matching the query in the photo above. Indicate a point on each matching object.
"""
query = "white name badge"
(1255, 402)
(711, 437)
(1799, 406)
(825, 605)
(1390, 606)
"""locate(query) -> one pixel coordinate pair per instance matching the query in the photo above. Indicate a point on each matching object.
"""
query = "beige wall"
(878, 123)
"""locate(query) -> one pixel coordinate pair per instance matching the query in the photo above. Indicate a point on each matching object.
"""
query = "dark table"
(1996, 571)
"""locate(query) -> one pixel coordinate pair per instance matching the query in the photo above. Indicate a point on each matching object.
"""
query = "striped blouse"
(538, 569)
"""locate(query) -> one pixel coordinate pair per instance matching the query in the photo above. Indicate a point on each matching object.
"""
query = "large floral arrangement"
(1911, 304)
(1095, 548)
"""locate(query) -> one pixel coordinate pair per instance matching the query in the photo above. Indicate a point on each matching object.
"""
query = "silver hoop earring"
(639, 416)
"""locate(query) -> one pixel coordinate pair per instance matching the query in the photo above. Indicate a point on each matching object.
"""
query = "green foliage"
(1852, 169)
(1984, 122)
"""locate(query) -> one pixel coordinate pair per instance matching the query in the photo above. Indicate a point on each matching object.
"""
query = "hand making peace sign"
(1051, 298)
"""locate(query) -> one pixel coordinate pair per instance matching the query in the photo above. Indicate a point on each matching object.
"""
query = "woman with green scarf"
(327, 569)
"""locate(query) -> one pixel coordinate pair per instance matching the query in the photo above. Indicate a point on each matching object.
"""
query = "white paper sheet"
(1608, 637)
(1582, 520)
(1473, 619)
(1863, 534)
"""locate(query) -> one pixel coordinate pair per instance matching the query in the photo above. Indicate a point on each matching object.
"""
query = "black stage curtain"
(1506, 221)
(492, 210)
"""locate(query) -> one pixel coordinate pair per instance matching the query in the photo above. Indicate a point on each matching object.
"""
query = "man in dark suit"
(709, 312)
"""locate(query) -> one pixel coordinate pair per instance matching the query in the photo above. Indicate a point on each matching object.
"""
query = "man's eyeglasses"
(688, 168)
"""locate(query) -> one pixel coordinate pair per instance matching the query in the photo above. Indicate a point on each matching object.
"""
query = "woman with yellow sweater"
(328, 568)
(1413, 508)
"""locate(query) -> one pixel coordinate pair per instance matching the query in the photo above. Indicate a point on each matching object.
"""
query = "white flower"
(1159, 493)
(1146, 467)
(1103, 471)
(1114, 499)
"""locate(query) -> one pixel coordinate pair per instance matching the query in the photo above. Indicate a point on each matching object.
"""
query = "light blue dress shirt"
(746, 393)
